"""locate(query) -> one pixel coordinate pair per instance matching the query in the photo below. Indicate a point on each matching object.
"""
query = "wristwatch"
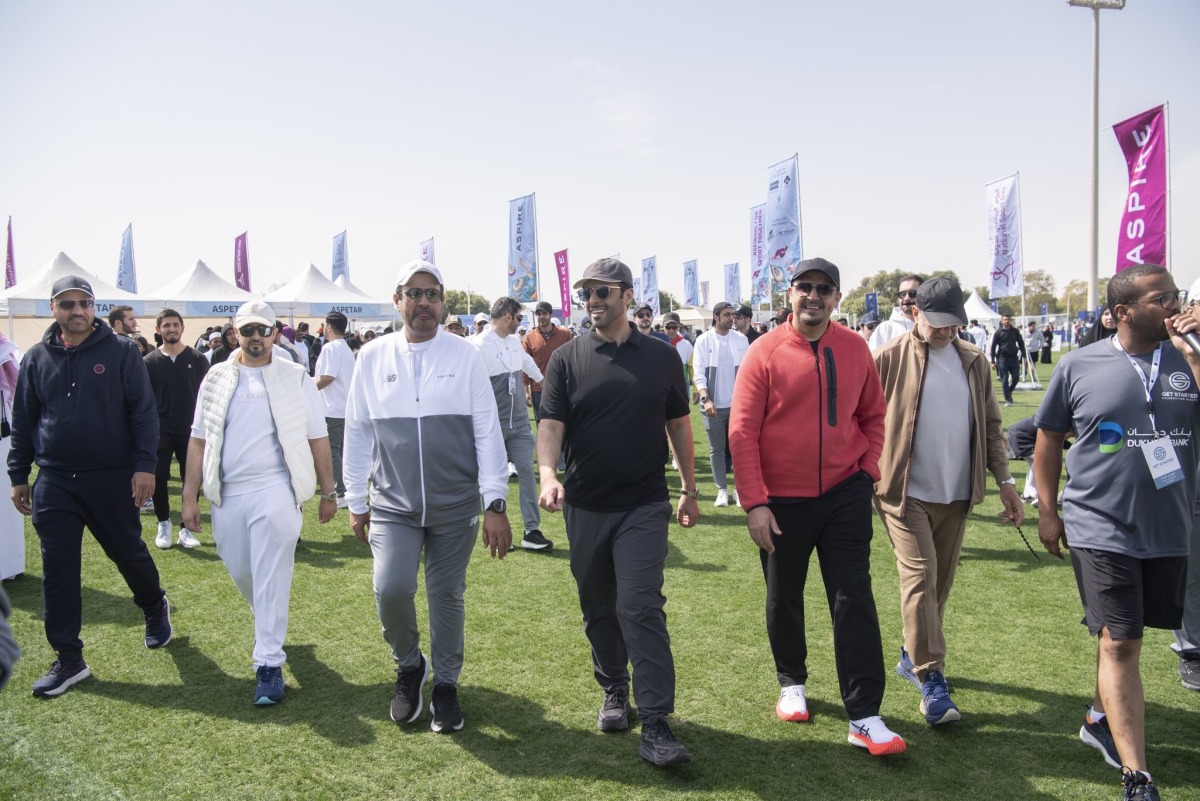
(329, 496)
(692, 494)
(1012, 482)
(499, 506)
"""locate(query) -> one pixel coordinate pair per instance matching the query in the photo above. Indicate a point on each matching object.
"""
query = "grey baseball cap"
(609, 271)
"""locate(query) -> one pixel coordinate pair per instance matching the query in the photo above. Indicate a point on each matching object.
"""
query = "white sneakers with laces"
(793, 705)
(722, 498)
(163, 538)
(187, 539)
(872, 734)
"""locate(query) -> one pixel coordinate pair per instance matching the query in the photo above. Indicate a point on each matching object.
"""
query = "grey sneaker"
(659, 746)
(406, 698)
(1189, 671)
(1099, 736)
(614, 712)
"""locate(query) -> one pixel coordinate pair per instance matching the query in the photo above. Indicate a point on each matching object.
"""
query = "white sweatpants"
(256, 538)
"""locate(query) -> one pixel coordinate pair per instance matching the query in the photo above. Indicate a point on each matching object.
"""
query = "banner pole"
(1167, 140)
(537, 256)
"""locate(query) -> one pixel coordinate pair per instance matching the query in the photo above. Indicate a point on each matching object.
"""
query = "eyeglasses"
(601, 292)
(1168, 300)
(643, 315)
(670, 327)
(431, 295)
(67, 305)
(809, 288)
(907, 293)
(250, 330)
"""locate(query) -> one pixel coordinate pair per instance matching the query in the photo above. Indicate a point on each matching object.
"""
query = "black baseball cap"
(829, 268)
(610, 271)
(642, 308)
(69, 282)
(744, 311)
(670, 317)
(544, 306)
(940, 301)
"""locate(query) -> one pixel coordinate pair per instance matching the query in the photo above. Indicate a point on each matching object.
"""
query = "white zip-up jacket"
(429, 443)
(707, 354)
(505, 360)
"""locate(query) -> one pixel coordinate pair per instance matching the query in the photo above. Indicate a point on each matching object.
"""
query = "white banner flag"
(704, 294)
(691, 289)
(733, 284)
(637, 290)
(522, 249)
(427, 251)
(650, 283)
(126, 270)
(1006, 274)
(760, 276)
(784, 249)
(341, 260)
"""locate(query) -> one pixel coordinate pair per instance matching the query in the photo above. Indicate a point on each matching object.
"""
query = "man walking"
(335, 368)
(258, 447)
(123, 321)
(643, 318)
(616, 396)
(742, 320)
(901, 321)
(84, 392)
(541, 344)
(176, 372)
(506, 364)
(414, 396)
(814, 384)
(1130, 494)
(943, 430)
(1008, 351)
(718, 353)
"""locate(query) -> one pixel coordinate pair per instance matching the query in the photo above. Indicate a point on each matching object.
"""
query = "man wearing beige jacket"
(942, 431)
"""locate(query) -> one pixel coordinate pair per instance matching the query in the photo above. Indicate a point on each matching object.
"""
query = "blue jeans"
(1009, 370)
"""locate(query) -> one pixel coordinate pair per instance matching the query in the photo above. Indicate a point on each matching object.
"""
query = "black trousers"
(63, 503)
(838, 526)
(170, 446)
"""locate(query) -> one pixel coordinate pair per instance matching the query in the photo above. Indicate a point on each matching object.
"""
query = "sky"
(644, 128)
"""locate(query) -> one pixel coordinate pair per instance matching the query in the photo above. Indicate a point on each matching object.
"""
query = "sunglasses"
(67, 305)
(907, 293)
(601, 292)
(250, 330)
(644, 315)
(431, 295)
(809, 288)
(671, 327)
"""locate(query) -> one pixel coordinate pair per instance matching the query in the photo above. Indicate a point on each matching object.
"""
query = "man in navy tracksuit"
(85, 412)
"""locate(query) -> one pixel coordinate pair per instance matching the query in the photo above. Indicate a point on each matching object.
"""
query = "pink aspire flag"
(241, 263)
(1143, 235)
(10, 265)
(564, 281)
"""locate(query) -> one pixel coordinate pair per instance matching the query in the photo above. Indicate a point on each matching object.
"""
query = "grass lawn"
(178, 723)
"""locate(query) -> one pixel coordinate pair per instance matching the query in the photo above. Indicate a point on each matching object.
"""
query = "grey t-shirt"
(1110, 502)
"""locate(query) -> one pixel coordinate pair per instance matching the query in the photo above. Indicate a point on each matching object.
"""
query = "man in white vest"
(258, 447)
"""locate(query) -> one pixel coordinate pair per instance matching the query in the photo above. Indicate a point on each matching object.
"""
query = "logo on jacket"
(98, 369)
(1111, 436)
(389, 379)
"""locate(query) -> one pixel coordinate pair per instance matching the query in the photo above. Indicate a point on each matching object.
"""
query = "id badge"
(1164, 464)
(512, 385)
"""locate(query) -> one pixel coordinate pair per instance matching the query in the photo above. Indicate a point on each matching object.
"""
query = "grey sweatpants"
(518, 442)
(717, 429)
(397, 551)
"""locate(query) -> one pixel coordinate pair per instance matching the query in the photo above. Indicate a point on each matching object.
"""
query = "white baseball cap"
(417, 266)
(254, 311)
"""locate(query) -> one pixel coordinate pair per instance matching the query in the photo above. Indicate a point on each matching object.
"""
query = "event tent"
(200, 292)
(311, 294)
(978, 310)
(344, 282)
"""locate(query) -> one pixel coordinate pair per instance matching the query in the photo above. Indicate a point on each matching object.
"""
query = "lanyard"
(1147, 383)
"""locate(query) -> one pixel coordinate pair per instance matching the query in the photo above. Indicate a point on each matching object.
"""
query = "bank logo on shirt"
(1111, 436)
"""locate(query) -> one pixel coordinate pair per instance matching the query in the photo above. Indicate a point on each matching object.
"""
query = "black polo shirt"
(614, 402)
(176, 384)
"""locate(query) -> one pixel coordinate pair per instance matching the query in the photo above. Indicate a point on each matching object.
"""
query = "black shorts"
(1126, 594)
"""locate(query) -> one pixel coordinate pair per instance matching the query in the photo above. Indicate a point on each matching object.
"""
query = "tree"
(667, 302)
(1039, 289)
(886, 283)
(1075, 295)
(456, 302)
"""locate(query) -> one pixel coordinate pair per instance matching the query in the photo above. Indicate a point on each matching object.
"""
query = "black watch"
(499, 506)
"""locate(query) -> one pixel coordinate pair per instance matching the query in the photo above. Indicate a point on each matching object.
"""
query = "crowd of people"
(902, 420)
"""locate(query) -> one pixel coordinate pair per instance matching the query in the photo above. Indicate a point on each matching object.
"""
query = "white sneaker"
(674, 465)
(342, 503)
(163, 538)
(792, 703)
(187, 539)
(872, 734)
(722, 498)
(733, 498)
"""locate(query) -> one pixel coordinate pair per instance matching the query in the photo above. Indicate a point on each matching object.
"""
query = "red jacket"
(801, 422)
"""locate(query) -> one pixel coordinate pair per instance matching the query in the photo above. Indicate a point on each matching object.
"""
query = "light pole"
(1093, 240)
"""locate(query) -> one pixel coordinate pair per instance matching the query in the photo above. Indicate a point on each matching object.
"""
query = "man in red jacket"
(814, 384)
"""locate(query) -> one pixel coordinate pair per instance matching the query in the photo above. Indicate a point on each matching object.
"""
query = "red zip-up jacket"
(803, 422)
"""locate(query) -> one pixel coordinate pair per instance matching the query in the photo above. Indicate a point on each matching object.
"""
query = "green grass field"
(178, 723)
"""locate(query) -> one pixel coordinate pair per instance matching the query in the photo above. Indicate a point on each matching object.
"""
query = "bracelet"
(693, 494)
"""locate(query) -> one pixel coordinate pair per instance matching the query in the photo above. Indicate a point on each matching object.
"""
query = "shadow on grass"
(677, 558)
(1020, 560)
(99, 607)
(326, 554)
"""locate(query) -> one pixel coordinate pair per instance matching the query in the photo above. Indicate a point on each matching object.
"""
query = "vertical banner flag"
(522, 249)
(427, 251)
(241, 263)
(872, 299)
(704, 294)
(564, 281)
(733, 284)
(650, 283)
(341, 260)
(126, 270)
(1043, 310)
(10, 264)
(1007, 275)
(784, 250)
(691, 291)
(995, 306)
(637, 289)
(1143, 235)
(760, 276)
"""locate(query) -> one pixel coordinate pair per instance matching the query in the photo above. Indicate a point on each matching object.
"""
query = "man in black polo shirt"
(618, 395)
(176, 372)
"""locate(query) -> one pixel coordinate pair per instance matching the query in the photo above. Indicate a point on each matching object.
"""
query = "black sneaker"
(158, 626)
(60, 678)
(1137, 787)
(660, 747)
(614, 712)
(268, 690)
(1099, 736)
(1189, 671)
(536, 541)
(447, 714)
(406, 698)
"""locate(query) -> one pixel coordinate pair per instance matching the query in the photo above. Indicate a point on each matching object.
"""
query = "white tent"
(311, 294)
(344, 282)
(200, 292)
(31, 297)
(978, 310)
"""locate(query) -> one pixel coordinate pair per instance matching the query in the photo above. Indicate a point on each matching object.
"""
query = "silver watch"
(329, 496)
(1012, 482)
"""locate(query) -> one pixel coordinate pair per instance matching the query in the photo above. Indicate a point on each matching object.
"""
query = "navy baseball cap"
(69, 282)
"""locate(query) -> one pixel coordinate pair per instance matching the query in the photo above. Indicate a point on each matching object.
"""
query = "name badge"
(1164, 464)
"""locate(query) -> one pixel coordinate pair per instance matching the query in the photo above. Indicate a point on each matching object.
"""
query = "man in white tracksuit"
(258, 447)
(416, 396)
(901, 321)
(718, 353)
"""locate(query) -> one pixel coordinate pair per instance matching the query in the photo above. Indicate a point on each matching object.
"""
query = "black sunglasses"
(809, 288)
(907, 293)
(431, 295)
(67, 305)
(251, 329)
(602, 292)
